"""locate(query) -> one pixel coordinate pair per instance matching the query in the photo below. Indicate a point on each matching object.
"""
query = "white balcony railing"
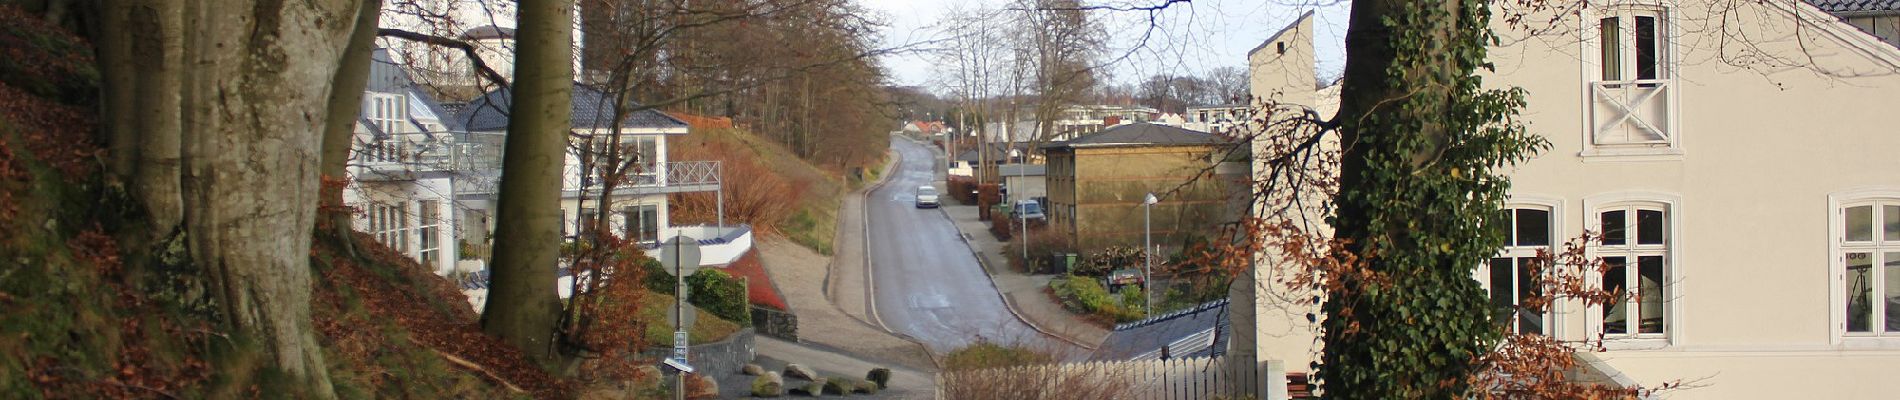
(1634, 112)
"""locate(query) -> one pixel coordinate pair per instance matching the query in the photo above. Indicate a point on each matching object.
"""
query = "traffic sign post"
(682, 253)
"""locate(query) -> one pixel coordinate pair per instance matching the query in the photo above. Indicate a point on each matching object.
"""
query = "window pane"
(1528, 320)
(1646, 47)
(1860, 223)
(1503, 225)
(1614, 227)
(1501, 288)
(1892, 292)
(1533, 227)
(1860, 287)
(1616, 313)
(1891, 219)
(1612, 49)
(1650, 293)
(1649, 227)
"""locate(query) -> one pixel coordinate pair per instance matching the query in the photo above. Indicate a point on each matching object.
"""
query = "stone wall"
(719, 359)
(775, 323)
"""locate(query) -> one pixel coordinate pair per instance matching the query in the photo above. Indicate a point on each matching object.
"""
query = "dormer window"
(1632, 95)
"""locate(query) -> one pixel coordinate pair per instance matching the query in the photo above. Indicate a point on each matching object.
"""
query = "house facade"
(1742, 190)
(1880, 18)
(1217, 119)
(403, 169)
(1096, 184)
(637, 208)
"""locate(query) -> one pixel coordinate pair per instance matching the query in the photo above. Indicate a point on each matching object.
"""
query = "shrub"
(1043, 244)
(721, 294)
(986, 354)
(1087, 296)
(1002, 228)
(960, 188)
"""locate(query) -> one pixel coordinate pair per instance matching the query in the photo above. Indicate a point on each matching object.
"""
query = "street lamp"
(1147, 245)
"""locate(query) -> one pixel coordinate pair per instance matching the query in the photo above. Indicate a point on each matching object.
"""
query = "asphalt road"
(925, 282)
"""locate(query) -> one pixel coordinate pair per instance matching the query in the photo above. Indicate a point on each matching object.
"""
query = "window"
(427, 228)
(1508, 276)
(586, 222)
(1635, 248)
(1869, 243)
(1631, 94)
(642, 222)
(387, 112)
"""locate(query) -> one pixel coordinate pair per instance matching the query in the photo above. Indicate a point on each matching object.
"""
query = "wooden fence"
(1180, 378)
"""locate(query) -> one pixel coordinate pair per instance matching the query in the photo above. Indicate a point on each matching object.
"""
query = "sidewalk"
(1023, 293)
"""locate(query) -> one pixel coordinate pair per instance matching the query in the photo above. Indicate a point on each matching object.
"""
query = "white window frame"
(1837, 264)
(1674, 272)
(1553, 323)
(428, 228)
(1667, 81)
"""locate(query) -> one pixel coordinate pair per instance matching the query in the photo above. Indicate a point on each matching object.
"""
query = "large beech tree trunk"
(522, 306)
(339, 128)
(215, 109)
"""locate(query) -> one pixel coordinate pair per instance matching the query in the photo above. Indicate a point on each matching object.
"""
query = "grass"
(708, 328)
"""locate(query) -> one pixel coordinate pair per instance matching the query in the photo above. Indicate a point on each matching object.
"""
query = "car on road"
(927, 197)
(1029, 211)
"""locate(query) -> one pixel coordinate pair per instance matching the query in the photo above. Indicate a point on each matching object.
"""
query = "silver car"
(927, 197)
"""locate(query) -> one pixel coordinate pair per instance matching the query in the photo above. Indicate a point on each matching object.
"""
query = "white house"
(638, 208)
(1217, 119)
(402, 168)
(1740, 170)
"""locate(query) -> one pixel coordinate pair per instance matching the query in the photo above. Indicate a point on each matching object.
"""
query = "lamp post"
(1147, 245)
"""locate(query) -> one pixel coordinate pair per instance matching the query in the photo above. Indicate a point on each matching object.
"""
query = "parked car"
(1029, 211)
(927, 197)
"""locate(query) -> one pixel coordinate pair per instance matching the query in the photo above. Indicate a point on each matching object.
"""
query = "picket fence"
(1172, 379)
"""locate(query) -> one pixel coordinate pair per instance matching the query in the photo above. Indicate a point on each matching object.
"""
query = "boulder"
(768, 384)
(882, 376)
(798, 371)
(700, 386)
(812, 389)
(837, 386)
(753, 370)
(864, 387)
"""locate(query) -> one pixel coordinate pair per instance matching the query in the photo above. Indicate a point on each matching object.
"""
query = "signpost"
(682, 253)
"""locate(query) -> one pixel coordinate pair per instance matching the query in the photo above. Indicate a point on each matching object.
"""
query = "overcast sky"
(1189, 37)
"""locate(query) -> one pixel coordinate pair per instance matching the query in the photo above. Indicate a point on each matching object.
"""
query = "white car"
(926, 197)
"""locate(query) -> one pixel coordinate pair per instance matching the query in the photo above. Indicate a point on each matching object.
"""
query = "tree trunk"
(339, 127)
(522, 307)
(157, 51)
(224, 148)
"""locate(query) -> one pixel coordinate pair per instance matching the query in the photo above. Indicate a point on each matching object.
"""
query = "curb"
(870, 295)
(1007, 304)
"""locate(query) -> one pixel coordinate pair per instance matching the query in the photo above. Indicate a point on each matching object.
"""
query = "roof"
(487, 32)
(1141, 134)
(996, 155)
(1021, 170)
(1857, 6)
(592, 109)
(387, 76)
(1276, 35)
(1201, 331)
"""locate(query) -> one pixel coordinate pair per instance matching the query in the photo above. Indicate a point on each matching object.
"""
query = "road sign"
(680, 253)
(678, 364)
(673, 314)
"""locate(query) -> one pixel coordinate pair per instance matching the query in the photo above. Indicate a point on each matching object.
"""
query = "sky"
(1186, 38)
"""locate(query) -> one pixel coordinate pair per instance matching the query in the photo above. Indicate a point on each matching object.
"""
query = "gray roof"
(487, 32)
(386, 76)
(1857, 6)
(1020, 170)
(1140, 134)
(1202, 331)
(995, 155)
(592, 109)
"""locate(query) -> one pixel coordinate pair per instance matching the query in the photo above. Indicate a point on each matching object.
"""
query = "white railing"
(681, 176)
(1179, 378)
(1631, 112)
(718, 246)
